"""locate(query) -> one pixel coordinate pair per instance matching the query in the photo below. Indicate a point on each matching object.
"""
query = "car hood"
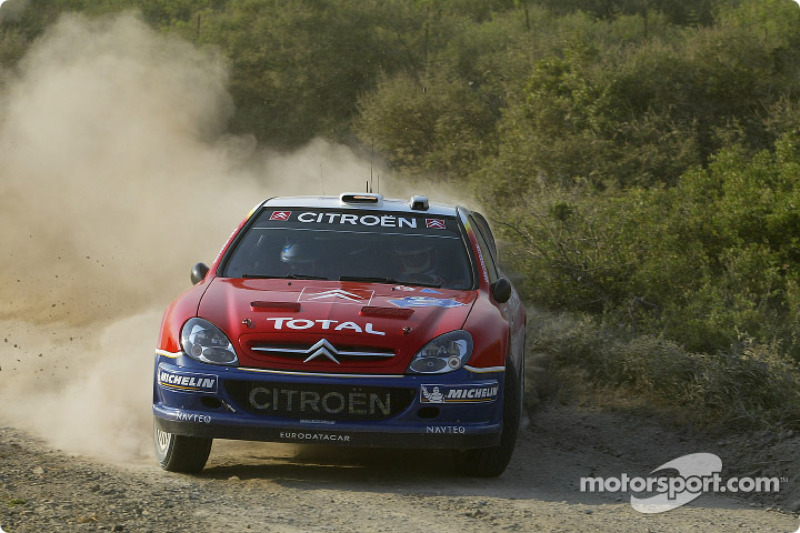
(325, 326)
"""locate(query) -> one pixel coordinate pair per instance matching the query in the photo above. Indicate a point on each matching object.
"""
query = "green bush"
(436, 126)
(704, 263)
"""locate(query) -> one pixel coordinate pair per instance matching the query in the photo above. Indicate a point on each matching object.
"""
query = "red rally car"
(356, 320)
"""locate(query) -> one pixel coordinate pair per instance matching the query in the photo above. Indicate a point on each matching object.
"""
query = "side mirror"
(199, 272)
(501, 290)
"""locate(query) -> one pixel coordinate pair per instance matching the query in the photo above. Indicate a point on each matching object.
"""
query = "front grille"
(321, 351)
(319, 402)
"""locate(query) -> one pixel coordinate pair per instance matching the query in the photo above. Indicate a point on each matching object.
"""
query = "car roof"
(365, 201)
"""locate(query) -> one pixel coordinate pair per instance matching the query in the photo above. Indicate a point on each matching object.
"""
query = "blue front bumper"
(458, 410)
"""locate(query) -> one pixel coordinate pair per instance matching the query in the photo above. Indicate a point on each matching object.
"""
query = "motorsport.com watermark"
(697, 473)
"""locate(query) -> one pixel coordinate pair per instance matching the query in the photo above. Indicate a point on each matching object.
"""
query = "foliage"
(678, 11)
(639, 158)
(445, 126)
(746, 389)
(707, 262)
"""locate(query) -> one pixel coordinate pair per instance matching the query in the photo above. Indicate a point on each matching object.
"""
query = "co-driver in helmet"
(418, 263)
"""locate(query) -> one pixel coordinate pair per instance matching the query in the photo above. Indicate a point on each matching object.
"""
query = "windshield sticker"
(353, 296)
(425, 301)
(280, 215)
(357, 221)
(434, 223)
(384, 221)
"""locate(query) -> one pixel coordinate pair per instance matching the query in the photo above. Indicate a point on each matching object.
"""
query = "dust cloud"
(116, 175)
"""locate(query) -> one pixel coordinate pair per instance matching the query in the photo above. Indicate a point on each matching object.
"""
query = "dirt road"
(281, 488)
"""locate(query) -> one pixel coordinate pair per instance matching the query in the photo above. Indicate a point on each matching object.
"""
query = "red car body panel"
(325, 309)
(229, 303)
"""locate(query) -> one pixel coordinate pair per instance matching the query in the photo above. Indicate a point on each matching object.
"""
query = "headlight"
(203, 341)
(445, 353)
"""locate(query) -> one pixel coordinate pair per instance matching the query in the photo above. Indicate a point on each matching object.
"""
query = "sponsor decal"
(309, 401)
(325, 422)
(186, 381)
(430, 291)
(483, 264)
(460, 430)
(299, 324)
(355, 296)
(473, 393)
(425, 301)
(193, 417)
(314, 437)
(280, 215)
(403, 288)
(434, 223)
(384, 221)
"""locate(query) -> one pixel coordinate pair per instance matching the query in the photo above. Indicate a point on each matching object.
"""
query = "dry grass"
(749, 388)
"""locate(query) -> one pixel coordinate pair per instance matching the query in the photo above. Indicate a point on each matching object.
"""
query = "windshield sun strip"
(382, 233)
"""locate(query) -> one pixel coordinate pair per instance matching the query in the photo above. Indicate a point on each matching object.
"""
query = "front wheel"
(178, 453)
(491, 462)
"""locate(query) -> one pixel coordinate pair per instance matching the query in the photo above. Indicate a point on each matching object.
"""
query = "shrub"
(754, 387)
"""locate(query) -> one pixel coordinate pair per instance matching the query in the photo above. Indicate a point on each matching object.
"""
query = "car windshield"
(369, 246)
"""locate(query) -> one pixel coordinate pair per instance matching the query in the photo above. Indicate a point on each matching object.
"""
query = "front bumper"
(459, 410)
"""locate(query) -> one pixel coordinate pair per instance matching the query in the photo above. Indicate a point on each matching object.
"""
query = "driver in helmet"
(301, 258)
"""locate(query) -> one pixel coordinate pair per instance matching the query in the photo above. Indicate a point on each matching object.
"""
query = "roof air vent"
(360, 198)
(418, 203)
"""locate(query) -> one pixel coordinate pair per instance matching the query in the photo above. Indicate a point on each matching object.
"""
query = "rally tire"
(178, 453)
(492, 462)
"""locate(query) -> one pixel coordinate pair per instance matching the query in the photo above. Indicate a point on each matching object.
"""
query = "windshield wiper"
(303, 276)
(288, 276)
(422, 284)
(378, 279)
(368, 279)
